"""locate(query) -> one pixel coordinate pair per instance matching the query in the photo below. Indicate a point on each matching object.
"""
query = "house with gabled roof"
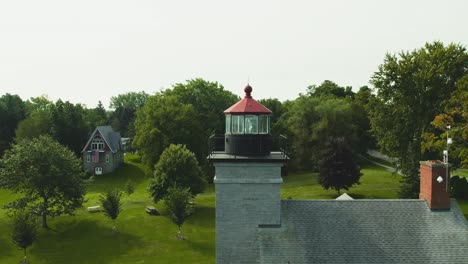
(103, 152)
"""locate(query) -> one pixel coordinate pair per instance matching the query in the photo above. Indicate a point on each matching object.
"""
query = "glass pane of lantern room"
(263, 124)
(228, 124)
(251, 124)
(237, 124)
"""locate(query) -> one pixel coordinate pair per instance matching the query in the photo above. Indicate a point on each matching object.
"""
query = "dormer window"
(97, 143)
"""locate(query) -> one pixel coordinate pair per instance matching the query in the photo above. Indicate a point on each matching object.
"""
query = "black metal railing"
(216, 143)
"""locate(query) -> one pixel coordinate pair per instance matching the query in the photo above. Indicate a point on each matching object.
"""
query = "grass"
(381, 161)
(88, 238)
(461, 172)
(376, 183)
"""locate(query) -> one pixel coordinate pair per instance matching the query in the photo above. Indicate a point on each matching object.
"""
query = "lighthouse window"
(251, 124)
(263, 124)
(237, 124)
(228, 124)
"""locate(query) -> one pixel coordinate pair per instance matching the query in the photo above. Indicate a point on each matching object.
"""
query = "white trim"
(103, 137)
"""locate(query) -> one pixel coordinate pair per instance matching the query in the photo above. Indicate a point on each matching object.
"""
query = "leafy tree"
(46, 174)
(112, 205)
(40, 103)
(329, 88)
(177, 166)
(36, 124)
(412, 88)
(178, 206)
(163, 121)
(38, 121)
(459, 187)
(455, 115)
(12, 111)
(312, 121)
(130, 100)
(125, 106)
(186, 114)
(24, 230)
(96, 116)
(278, 110)
(361, 120)
(69, 126)
(301, 118)
(338, 169)
(129, 187)
(209, 100)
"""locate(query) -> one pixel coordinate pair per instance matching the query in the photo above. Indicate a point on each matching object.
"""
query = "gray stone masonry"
(247, 195)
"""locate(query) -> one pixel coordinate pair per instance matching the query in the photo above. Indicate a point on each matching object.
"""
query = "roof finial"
(248, 91)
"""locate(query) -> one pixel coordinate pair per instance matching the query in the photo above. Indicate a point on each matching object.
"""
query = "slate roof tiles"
(365, 231)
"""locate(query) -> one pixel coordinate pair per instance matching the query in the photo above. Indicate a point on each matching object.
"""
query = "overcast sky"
(89, 50)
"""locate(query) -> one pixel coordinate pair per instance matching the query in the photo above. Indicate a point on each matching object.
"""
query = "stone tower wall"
(247, 195)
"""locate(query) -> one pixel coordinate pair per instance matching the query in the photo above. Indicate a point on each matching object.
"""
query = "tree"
(38, 121)
(278, 110)
(361, 120)
(338, 169)
(69, 126)
(178, 206)
(209, 100)
(177, 166)
(24, 230)
(130, 100)
(111, 204)
(36, 124)
(329, 88)
(455, 115)
(12, 111)
(96, 116)
(163, 121)
(312, 121)
(412, 88)
(129, 187)
(46, 174)
(125, 106)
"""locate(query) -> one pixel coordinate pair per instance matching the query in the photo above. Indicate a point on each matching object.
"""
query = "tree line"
(415, 96)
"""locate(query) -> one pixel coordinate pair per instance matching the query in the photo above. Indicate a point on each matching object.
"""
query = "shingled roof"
(365, 231)
(111, 137)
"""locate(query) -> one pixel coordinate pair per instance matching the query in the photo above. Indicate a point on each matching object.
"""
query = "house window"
(88, 157)
(97, 143)
(107, 157)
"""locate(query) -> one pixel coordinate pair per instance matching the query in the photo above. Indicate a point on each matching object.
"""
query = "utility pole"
(446, 158)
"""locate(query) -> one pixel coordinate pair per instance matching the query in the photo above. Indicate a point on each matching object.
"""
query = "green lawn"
(376, 183)
(461, 172)
(88, 238)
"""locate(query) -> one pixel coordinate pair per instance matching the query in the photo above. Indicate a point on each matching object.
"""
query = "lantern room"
(248, 127)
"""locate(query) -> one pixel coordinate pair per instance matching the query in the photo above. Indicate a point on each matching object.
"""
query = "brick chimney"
(435, 190)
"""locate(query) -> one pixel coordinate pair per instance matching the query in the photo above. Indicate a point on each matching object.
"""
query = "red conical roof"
(248, 105)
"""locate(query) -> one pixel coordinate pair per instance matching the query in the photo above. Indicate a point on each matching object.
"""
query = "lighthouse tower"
(247, 181)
